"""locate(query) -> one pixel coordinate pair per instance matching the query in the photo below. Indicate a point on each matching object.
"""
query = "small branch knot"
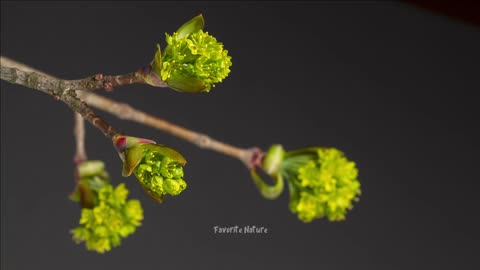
(99, 77)
(32, 80)
(108, 86)
(202, 141)
(256, 159)
(14, 76)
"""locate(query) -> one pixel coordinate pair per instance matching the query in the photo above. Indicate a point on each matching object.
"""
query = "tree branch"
(79, 133)
(59, 90)
(126, 112)
(108, 82)
(251, 157)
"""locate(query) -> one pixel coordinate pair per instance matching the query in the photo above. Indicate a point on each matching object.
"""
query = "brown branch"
(126, 112)
(251, 157)
(79, 133)
(108, 82)
(59, 90)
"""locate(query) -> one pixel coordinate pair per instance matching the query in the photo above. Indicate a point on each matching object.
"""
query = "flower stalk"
(106, 214)
(79, 133)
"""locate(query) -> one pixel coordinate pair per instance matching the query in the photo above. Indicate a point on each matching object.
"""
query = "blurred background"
(392, 84)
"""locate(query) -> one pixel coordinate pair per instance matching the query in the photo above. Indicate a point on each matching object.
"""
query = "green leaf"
(90, 167)
(273, 159)
(87, 197)
(157, 61)
(75, 195)
(268, 191)
(133, 156)
(166, 151)
(191, 26)
(186, 84)
(302, 151)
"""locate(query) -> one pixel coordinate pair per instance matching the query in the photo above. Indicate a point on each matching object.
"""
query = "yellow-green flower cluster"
(160, 175)
(193, 61)
(322, 181)
(158, 168)
(197, 55)
(323, 185)
(111, 219)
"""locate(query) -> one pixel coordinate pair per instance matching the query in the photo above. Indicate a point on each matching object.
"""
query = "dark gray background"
(392, 86)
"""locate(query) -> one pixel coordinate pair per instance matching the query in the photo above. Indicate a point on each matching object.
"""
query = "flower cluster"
(198, 55)
(322, 181)
(159, 169)
(160, 175)
(112, 219)
(107, 216)
(193, 60)
(324, 186)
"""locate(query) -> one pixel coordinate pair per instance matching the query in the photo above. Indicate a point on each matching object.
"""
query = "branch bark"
(127, 112)
(79, 133)
(58, 89)
(251, 157)
(99, 81)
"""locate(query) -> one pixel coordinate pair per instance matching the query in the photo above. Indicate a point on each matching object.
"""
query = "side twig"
(108, 82)
(126, 112)
(251, 157)
(79, 133)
